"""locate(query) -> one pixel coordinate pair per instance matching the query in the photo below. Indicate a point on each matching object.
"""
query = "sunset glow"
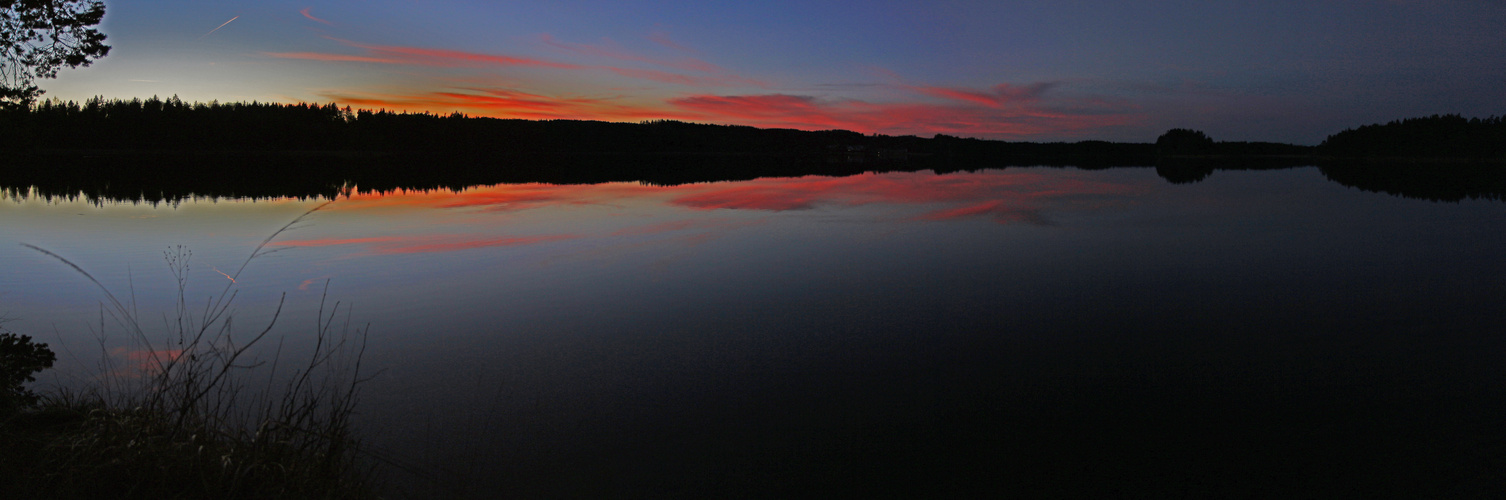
(1111, 70)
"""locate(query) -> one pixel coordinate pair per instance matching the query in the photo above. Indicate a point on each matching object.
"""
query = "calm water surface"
(1048, 331)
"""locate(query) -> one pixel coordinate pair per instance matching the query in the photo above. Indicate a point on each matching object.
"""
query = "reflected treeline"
(174, 177)
(158, 151)
(1422, 180)
(1440, 158)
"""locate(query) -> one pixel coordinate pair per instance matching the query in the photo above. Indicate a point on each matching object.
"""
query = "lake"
(1044, 331)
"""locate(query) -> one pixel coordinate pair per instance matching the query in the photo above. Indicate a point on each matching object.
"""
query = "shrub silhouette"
(1181, 141)
(19, 359)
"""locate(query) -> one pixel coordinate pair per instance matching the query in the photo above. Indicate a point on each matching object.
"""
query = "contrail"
(217, 28)
(222, 273)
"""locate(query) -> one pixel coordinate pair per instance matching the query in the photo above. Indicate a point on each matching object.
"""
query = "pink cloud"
(311, 17)
(662, 38)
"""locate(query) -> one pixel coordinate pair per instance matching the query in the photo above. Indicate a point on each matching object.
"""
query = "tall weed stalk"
(181, 422)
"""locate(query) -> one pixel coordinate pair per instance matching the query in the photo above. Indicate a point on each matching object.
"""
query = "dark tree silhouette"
(19, 359)
(39, 37)
(1181, 141)
(1437, 136)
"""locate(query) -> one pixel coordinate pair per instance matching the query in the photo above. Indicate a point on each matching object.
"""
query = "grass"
(184, 419)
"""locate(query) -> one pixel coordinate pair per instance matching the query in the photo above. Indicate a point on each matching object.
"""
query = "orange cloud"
(505, 103)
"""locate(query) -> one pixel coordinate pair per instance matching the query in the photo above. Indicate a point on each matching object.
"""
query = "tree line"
(1436, 136)
(157, 124)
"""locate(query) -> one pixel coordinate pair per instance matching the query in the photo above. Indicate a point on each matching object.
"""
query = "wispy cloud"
(663, 38)
(311, 17)
(419, 56)
(1000, 95)
(1028, 116)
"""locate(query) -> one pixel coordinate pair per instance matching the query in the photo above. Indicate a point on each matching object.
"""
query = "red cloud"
(808, 113)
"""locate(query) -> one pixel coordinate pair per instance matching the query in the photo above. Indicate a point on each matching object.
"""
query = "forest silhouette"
(165, 150)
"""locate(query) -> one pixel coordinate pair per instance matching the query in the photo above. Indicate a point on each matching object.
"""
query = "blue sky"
(1041, 71)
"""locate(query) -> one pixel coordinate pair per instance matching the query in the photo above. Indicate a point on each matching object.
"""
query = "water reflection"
(1048, 331)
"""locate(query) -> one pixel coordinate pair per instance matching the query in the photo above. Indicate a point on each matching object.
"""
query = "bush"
(19, 359)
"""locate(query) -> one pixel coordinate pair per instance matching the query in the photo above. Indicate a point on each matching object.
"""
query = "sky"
(1285, 71)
